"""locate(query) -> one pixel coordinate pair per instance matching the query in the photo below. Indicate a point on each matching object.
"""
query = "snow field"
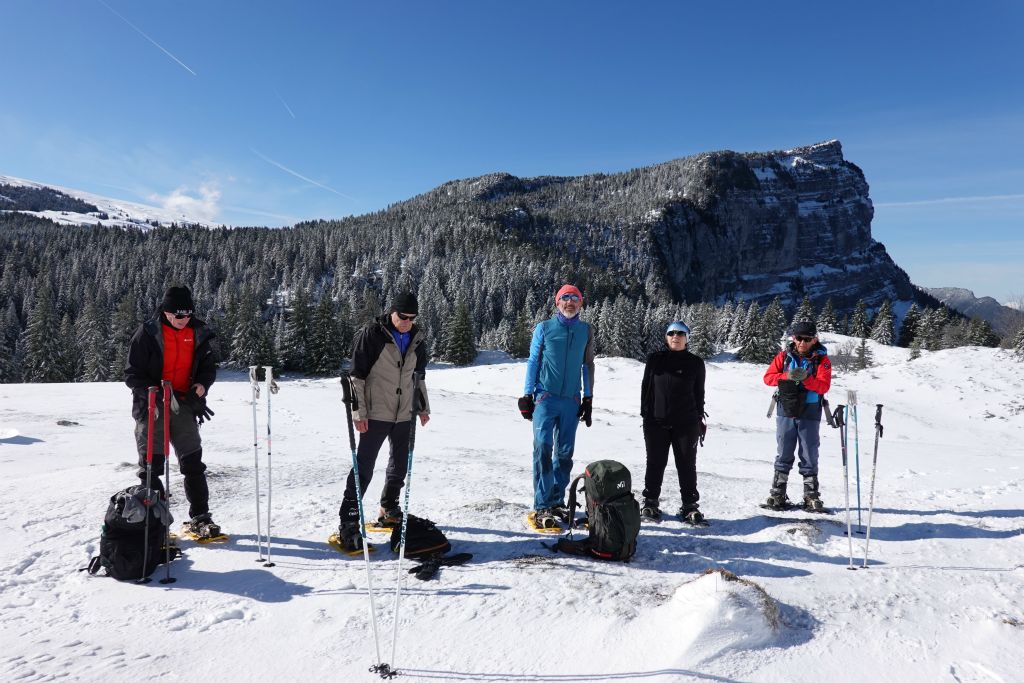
(943, 599)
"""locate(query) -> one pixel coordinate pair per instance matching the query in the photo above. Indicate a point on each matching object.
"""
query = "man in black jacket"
(389, 362)
(672, 407)
(176, 346)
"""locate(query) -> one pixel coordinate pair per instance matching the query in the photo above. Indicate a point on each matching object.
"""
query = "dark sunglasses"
(403, 316)
(675, 333)
(801, 338)
(182, 316)
(570, 297)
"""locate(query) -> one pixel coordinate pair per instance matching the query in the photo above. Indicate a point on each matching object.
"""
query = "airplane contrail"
(256, 212)
(142, 33)
(300, 176)
(955, 200)
(285, 104)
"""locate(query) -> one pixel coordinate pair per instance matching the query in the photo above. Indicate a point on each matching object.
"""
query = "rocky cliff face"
(710, 227)
(752, 226)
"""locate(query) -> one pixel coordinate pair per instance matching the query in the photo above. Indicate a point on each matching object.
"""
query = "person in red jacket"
(174, 345)
(803, 374)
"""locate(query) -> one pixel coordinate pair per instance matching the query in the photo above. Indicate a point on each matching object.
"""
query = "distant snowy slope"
(111, 212)
(942, 600)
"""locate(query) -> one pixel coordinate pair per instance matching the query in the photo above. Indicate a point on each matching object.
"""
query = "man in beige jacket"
(389, 362)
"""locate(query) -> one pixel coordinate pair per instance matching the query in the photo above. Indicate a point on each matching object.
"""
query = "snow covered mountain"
(75, 207)
(943, 598)
(1005, 320)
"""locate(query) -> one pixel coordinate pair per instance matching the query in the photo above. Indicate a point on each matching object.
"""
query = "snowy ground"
(942, 601)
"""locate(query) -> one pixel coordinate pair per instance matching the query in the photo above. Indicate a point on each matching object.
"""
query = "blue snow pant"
(555, 419)
(802, 431)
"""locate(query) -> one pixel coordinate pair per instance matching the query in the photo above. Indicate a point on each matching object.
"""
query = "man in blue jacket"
(561, 363)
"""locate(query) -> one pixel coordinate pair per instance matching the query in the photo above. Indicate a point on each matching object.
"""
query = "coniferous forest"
(71, 297)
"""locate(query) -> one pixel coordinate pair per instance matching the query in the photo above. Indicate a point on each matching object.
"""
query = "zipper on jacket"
(568, 345)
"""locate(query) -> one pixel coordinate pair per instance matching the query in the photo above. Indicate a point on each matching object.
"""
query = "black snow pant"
(370, 441)
(189, 449)
(683, 441)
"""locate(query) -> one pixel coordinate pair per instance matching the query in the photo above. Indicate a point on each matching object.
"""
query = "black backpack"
(422, 538)
(612, 511)
(123, 540)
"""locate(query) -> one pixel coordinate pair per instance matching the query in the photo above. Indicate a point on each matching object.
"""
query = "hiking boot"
(651, 511)
(545, 519)
(350, 536)
(389, 516)
(777, 496)
(812, 499)
(203, 526)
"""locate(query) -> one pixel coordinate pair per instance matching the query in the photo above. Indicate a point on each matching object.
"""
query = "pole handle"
(838, 416)
(349, 400)
(878, 419)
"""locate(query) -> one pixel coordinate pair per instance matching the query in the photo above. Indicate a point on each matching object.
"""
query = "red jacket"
(818, 381)
(179, 349)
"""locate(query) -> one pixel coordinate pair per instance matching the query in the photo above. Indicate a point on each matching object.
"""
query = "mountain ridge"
(1005, 320)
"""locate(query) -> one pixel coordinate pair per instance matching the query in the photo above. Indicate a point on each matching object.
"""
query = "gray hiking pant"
(188, 447)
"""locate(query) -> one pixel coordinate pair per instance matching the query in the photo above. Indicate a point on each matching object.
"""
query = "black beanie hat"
(805, 328)
(405, 303)
(177, 300)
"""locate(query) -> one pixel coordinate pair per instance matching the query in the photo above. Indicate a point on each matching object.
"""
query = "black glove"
(703, 430)
(586, 408)
(526, 406)
(198, 406)
(797, 374)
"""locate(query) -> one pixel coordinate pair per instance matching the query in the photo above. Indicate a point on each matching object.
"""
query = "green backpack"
(612, 511)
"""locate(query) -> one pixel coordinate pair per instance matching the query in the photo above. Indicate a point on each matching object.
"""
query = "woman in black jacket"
(672, 407)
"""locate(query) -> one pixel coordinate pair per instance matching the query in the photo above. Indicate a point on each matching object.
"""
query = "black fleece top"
(672, 392)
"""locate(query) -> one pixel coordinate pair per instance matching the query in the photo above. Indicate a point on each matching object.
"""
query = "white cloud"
(204, 206)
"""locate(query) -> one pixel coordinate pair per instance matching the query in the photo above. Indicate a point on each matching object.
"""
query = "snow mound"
(715, 613)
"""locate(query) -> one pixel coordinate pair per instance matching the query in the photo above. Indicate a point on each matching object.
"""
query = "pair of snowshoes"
(779, 501)
(689, 515)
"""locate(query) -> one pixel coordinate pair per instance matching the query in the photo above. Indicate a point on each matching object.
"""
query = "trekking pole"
(271, 389)
(255, 383)
(874, 465)
(167, 481)
(771, 406)
(851, 399)
(841, 423)
(348, 397)
(151, 405)
(405, 524)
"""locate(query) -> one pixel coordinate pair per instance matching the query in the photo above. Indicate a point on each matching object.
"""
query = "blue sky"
(264, 113)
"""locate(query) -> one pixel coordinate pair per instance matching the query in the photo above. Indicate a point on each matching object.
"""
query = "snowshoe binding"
(202, 529)
(543, 521)
(650, 511)
(348, 539)
(693, 517)
(387, 519)
(561, 513)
